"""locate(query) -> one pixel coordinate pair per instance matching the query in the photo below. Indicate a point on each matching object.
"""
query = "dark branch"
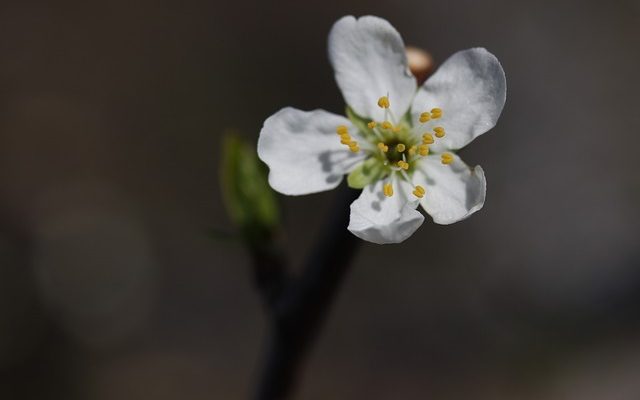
(270, 267)
(300, 306)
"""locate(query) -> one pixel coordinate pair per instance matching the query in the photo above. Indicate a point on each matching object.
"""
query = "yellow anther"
(383, 102)
(345, 139)
(342, 130)
(396, 129)
(387, 125)
(372, 124)
(387, 189)
(427, 138)
(439, 131)
(383, 147)
(355, 148)
(436, 113)
(447, 158)
(425, 117)
(400, 148)
(419, 191)
(423, 149)
(403, 164)
(412, 150)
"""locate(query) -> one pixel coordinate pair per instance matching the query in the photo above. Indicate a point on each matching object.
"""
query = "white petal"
(470, 88)
(303, 151)
(453, 192)
(369, 61)
(380, 219)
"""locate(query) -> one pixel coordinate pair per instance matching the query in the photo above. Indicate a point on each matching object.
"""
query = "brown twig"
(297, 307)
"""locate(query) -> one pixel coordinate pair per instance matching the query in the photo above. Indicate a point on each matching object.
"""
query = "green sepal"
(250, 201)
(365, 173)
(359, 122)
(406, 119)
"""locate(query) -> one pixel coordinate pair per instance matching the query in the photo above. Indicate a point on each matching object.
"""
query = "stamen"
(342, 130)
(419, 191)
(447, 158)
(345, 139)
(427, 138)
(396, 129)
(400, 148)
(387, 189)
(405, 176)
(383, 147)
(439, 131)
(383, 102)
(403, 164)
(436, 113)
(387, 125)
(353, 146)
(425, 117)
(423, 150)
(412, 150)
(372, 124)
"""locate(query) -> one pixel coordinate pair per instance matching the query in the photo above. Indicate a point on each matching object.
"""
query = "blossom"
(398, 142)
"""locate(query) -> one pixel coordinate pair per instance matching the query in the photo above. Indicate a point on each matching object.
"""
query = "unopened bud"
(420, 63)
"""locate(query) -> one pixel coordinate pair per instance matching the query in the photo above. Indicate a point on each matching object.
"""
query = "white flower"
(399, 141)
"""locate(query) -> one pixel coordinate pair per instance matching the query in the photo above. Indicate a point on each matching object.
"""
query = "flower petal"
(303, 151)
(470, 88)
(369, 61)
(453, 192)
(380, 219)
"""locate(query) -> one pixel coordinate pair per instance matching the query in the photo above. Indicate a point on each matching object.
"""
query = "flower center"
(396, 146)
(392, 151)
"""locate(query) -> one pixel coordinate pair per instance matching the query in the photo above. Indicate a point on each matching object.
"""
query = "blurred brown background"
(111, 115)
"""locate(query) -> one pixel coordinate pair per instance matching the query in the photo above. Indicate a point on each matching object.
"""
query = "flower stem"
(297, 307)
